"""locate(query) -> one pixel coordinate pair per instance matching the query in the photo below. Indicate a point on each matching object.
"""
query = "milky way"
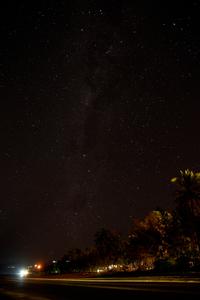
(99, 109)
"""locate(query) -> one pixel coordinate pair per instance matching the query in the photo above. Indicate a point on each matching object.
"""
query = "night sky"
(99, 109)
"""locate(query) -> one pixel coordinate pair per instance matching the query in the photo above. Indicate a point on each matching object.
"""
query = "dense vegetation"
(161, 241)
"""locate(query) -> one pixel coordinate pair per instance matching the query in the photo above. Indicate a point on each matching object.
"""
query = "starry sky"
(99, 109)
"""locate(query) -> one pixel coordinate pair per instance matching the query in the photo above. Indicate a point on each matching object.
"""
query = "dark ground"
(44, 289)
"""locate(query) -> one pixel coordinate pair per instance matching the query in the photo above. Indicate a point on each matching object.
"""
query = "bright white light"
(110, 267)
(99, 270)
(23, 273)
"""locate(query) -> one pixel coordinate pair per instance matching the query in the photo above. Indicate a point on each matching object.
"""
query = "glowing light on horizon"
(23, 272)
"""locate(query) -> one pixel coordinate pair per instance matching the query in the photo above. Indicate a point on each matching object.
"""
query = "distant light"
(99, 270)
(110, 267)
(23, 272)
(38, 266)
(174, 179)
(30, 267)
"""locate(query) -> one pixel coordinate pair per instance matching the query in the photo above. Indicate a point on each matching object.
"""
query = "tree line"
(164, 240)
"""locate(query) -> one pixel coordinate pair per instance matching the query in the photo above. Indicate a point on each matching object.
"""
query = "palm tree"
(188, 203)
(188, 193)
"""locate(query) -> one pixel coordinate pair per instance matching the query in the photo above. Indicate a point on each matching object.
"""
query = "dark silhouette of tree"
(108, 246)
(148, 240)
(188, 199)
(187, 194)
(187, 215)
